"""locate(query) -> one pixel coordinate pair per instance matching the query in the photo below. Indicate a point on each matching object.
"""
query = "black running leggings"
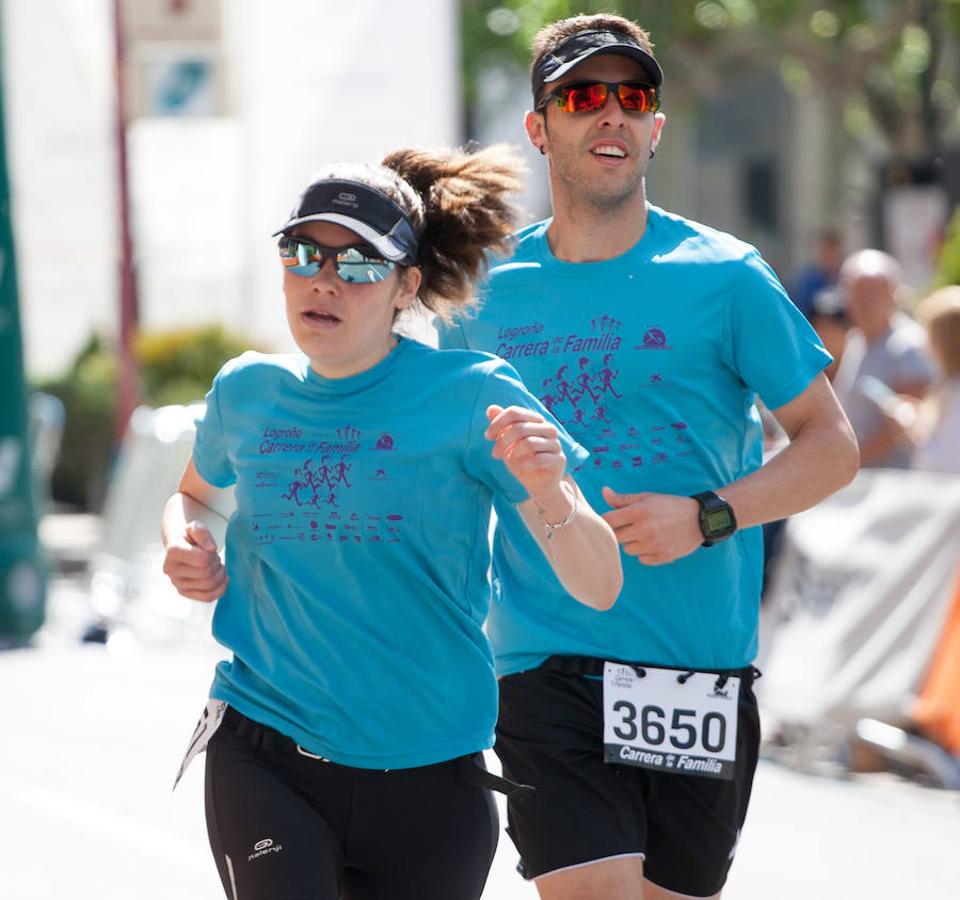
(287, 826)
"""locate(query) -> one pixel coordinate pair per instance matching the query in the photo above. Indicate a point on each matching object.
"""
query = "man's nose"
(612, 114)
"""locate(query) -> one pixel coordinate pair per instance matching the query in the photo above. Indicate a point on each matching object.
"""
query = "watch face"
(718, 520)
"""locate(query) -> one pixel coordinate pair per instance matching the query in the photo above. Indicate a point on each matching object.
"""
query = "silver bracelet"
(556, 526)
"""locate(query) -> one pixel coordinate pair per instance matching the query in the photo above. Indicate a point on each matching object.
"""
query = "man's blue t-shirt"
(651, 361)
(358, 553)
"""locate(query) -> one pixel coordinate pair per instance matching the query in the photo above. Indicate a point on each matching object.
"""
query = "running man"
(638, 727)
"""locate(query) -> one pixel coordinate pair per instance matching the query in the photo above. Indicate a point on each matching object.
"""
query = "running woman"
(639, 727)
(347, 729)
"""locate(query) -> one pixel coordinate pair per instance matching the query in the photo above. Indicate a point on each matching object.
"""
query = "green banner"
(22, 572)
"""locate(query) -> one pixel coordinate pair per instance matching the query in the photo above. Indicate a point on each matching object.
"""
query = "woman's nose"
(326, 277)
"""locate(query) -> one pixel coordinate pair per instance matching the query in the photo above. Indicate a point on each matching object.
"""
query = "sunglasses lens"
(638, 97)
(300, 257)
(355, 265)
(583, 97)
(634, 96)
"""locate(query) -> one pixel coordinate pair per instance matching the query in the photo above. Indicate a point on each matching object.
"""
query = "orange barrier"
(937, 710)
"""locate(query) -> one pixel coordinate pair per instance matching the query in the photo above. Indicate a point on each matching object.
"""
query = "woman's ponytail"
(465, 214)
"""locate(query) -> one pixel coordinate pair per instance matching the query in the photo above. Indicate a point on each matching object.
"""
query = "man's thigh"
(549, 735)
(694, 822)
(616, 879)
(612, 879)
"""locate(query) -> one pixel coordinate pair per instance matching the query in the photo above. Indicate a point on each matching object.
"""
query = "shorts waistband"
(594, 665)
(259, 737)
(269, 740)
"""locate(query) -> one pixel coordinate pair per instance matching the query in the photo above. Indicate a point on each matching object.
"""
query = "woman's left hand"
(528, 445)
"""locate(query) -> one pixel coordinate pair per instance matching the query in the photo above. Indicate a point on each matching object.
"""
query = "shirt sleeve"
(502, 386)
(210, 456)
(770, 344)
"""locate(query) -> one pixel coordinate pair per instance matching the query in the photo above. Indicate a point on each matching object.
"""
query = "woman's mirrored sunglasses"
(588, 96)
(353, 264)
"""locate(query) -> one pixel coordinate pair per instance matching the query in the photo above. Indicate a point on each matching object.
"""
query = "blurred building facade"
(229, 125)
(231, 121)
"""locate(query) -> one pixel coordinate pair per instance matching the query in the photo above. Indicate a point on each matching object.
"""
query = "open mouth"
(320, 317)
(609, 151)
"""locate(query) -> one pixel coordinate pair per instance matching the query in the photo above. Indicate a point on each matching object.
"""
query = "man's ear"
(536, 126)
(659, 121)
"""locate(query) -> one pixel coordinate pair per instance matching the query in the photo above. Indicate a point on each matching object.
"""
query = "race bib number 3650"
(670, 720)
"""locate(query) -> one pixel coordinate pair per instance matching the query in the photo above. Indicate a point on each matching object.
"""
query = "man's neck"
(582, 232)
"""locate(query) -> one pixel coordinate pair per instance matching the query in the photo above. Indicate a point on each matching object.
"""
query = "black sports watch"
(717, 521)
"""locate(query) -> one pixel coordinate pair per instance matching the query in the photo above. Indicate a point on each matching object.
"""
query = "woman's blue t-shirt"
(358, 554)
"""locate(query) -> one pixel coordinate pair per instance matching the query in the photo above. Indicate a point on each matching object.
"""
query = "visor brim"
(380, 242)
(650, 65)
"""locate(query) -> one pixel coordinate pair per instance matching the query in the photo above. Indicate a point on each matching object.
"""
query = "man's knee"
(606, 879)
(653, 891)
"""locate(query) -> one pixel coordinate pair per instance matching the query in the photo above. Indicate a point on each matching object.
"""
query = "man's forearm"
(817, 462)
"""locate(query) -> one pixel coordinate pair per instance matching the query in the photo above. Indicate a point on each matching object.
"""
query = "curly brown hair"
(460, 210)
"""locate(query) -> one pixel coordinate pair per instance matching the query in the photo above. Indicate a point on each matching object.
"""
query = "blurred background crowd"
(151, 146)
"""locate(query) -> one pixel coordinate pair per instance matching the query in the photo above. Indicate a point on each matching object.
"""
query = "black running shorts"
(283, 824)
(550, 736)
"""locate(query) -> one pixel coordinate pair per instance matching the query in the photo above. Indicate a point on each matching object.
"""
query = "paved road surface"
(92, 738)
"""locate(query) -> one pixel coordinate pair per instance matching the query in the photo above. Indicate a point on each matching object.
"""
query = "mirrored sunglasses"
(357, 263)
(588, 96)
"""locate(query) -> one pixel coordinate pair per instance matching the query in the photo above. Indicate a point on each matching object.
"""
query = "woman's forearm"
(182, 509)
(584, 554)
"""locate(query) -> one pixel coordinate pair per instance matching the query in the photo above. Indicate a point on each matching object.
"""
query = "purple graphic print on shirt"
(316, 489)
(582, 390)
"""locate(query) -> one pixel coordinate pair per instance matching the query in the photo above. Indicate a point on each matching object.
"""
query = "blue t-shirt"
(358, 554)
(651, 361)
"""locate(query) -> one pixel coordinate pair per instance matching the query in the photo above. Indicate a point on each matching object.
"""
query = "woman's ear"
(408, 286)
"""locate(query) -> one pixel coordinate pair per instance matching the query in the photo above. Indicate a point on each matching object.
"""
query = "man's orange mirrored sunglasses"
(588, 96)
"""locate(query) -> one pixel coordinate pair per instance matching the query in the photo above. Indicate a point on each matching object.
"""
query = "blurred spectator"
(885, 355)
(937, 434)
(830, 322)
(818, 274)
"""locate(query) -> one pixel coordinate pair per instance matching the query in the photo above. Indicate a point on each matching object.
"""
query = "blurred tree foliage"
(86, 390)
(949, 268)
(885, 68)
(178, 366)
(175, 367)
